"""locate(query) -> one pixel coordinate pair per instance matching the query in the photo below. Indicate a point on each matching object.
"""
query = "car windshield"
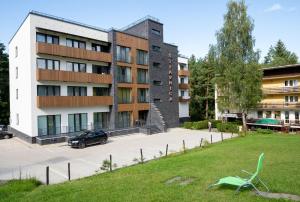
(84, 134)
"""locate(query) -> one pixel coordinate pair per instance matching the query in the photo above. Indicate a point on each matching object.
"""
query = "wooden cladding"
(183, 73)
(68, 76)
(131, 41)
(278, 106)
(78, 53)
(184, 86)
(73, 101)
(281, 90)
(183, 99)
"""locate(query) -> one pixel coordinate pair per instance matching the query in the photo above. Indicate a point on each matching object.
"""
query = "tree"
(4, 86)
(238, 75)
(279, 55)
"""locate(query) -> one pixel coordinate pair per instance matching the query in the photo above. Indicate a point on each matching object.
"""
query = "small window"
(17, 93)
(76, 67)
(17, 72)
(156, 48)
(155, 31)
(17, 119)
(182, 93)
(156, 100)
(181, 80)
(16, 51)
(75, 43)
(156, 64)
(259, 114)
(268, 114)
(157, 83)
(47, 38)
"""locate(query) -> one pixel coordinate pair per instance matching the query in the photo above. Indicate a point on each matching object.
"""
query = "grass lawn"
(147, 182)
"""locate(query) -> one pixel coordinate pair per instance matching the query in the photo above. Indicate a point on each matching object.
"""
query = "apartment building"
(280, 96)
(183, 88)
(281, 91)
(66, 77)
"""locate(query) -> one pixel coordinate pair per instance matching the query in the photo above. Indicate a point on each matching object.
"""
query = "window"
(142, 76)
(123, 54)
(143, 95)
(17, 119)
(156, 48)
(100, 48)
(181, 80)
(77, 91)
(100, 91)
(268, 114)
(77, 122)
(47, 38)
(124, 74)
(17, 93)
(287, 117)
(124, 119)
(49, 125)
(157, 83)
(182, 93)
(156, 100)
(124, 95)
(156, 64)
(277, 115)
(297, 116)
(17, 72)
(259, 114)
(48, 90)
(75, 43)
(155, 31)
(76, 67)
(182, 66)
(291, 99)
(47, 64)
(97, 69)
(16, 51)
(142, 57)
(290, 83)
(101, 120)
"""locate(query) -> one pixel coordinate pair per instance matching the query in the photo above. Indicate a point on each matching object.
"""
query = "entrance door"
(51, 125)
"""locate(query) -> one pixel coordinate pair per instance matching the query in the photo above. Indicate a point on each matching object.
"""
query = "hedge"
(201, 124)
(228, 127)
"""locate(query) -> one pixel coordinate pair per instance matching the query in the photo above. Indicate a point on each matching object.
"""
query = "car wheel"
(81, 145)
(6, 137)
(104, 141)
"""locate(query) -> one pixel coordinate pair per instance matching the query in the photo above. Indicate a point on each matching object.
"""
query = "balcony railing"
(68, 76)
(183, 72)
(184, 98)
(73, 101)
(281, 90)
(278, 105)
(78, 53)
(184, 86)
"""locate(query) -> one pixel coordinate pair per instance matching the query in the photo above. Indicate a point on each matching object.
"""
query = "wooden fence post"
(47, 175)
(210, 139)
(201, 142)
(142, 158)
(110, 162)
(167, 147)
(222, 136)
(69, 171)
(183, 145)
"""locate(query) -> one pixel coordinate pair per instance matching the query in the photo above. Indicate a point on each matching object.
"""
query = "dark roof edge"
(170, 44)
(148, 17)
(124, 32)
(281, 67)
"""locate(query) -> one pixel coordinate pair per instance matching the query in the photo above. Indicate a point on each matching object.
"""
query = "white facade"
(183, 93)
(22, 66)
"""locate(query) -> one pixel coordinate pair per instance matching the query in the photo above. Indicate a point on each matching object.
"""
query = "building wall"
(184, 104)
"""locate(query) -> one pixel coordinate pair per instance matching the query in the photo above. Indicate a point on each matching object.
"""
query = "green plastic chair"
(244, 183)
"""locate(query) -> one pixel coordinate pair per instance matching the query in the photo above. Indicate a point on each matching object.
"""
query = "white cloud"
(274, 7)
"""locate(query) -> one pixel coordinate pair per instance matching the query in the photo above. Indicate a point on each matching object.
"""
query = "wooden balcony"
(73, 101)
(183, 73)
(278, 106)
(281, 90)
(183, 99)
(78, 53)
(143, 106)
(68, 76)
(183, 86)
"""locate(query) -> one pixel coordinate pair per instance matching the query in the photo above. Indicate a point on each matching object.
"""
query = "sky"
(190, 24)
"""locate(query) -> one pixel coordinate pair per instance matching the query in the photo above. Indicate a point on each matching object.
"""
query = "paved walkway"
(30, 160)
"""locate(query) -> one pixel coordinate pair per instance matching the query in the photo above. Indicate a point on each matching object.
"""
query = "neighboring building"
(280, 96)
(66, 77)
(183, 90)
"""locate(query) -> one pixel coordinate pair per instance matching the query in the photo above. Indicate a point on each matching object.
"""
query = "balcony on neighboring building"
(184, 98)
(278, 105)
(73, 101)
(78, 53)
(68, 76)
(183, 86)
(183, 72)
(281, 90)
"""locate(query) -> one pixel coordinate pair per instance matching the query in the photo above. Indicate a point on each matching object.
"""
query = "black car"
(4, 134)
(88, 138)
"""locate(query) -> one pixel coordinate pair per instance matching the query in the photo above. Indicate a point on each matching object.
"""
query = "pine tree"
(4, 86)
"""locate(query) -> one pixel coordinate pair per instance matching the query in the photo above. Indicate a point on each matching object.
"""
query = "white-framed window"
(290, 83)
(291, 99)
(17, 72)
(16, 51)
(287, 116)
(17, 93)
(17, 119)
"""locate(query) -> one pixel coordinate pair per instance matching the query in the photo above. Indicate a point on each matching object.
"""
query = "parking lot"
(18, 158)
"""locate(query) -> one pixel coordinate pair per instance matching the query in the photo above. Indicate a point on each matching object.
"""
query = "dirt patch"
(2, 182)
(279, 196)
(183, 181)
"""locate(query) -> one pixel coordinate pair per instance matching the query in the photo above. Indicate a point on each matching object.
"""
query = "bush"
(188, 125)
(228, 127)
(264, 131)
(214, 123)
(200, 125)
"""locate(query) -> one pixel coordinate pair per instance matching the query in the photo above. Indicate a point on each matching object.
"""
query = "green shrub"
(188, 125)
(214, 123)
(200, 125)
(228, 127)
(264, 131)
